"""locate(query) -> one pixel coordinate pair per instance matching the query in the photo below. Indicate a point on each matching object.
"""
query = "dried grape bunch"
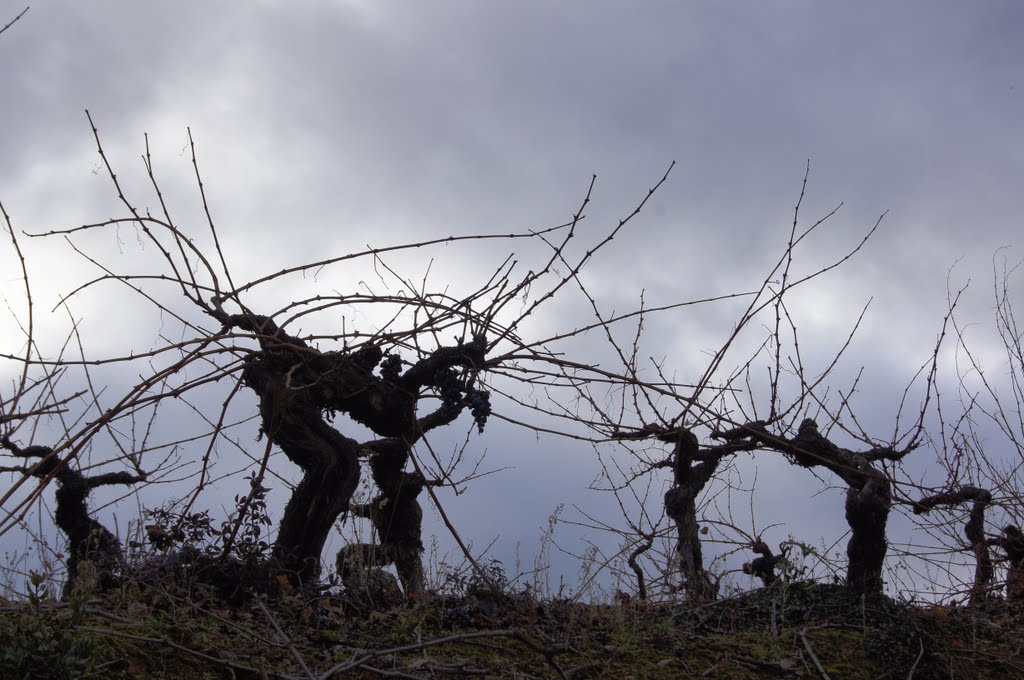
(391, 368)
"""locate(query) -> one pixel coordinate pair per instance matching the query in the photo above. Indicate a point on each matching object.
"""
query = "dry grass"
(804, 630)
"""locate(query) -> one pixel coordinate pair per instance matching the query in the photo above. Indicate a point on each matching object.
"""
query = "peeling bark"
(366, 583)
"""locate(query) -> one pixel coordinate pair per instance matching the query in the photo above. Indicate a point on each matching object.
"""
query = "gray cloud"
(328, 127)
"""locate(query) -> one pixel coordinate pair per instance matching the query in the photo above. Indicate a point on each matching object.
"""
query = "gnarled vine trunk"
(88, 539)
(867, 513)
(868, 498)
(300, 387)
(974, 531)
(689, 479)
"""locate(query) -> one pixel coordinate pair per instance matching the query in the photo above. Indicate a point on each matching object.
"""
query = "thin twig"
(910, 675)
(287, 640)
(814, 657)
(11, 22)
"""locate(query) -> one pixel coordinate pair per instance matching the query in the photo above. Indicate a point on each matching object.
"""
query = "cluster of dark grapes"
(391, 368)
(447, 383)
(480, 406)
(455, 396)
(367, 356)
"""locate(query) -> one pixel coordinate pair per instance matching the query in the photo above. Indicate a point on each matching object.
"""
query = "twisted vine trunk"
(689, 479)
(299, 388)
(867, 513)
(396, 513)
(974, 531)
(329, 461)
(316, 503)
(88, 539)
(868, 496)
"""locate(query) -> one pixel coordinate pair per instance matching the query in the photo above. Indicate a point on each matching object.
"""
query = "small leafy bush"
(36, 644)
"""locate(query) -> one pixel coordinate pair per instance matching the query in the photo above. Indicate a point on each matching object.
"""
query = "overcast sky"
(324, 126)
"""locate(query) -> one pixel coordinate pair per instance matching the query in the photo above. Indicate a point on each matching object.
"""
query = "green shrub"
(36, 644)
